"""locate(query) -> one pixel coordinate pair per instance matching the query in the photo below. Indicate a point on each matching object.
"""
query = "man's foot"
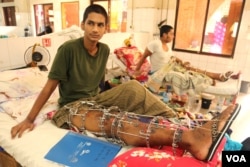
(236, 76)
(214, 82)
(187, 65)
(224, 77)
(205, 139)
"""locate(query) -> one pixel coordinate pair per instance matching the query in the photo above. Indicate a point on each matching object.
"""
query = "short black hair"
(48, 29)
(165, 29)
(97, 9)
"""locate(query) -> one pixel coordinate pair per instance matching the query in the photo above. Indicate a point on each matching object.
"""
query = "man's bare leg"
(138, 133)
(199, 140)
(217, 76)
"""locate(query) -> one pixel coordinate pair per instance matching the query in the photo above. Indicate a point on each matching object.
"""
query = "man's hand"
(179, 61)
(136, 73)
(21, 127)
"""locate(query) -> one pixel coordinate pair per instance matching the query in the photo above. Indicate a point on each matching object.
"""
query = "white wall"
(145, 19)
(13, 50)
(22, 18)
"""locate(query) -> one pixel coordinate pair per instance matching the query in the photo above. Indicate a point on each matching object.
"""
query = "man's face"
(94, 27)
(169, 36)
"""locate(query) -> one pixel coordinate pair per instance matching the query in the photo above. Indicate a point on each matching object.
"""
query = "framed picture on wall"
(70, 14)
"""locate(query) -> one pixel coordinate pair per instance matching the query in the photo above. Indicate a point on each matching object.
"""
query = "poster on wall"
(70, 14)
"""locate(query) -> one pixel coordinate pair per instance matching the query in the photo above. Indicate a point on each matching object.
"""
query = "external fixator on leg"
(112, 123)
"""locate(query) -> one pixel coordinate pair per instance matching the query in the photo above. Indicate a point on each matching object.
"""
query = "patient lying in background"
(164, 66)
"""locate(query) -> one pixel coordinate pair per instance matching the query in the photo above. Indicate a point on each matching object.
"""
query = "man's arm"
(28, 123)
(144, 56)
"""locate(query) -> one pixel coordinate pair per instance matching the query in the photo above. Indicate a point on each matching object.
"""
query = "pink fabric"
(149, 157)
(130, 56)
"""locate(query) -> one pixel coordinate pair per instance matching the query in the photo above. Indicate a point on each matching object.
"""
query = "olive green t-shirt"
(78, 72)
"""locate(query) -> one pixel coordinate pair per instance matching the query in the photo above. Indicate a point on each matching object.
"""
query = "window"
(43, 17)
(117, 13)
(207, 27)
(9, 16)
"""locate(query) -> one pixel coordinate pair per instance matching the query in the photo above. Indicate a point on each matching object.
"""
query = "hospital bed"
(18, 91)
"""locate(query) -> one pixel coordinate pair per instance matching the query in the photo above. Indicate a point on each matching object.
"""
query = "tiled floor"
(241, 125)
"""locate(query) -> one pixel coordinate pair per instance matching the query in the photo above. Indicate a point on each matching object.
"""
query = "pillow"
(130, 56)
(148, 157)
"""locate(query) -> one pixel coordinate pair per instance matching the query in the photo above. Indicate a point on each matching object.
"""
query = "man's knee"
(134, 84)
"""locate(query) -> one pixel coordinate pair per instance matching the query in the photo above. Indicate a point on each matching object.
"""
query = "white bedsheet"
(230, 87)
(30, 149)
(20, 88)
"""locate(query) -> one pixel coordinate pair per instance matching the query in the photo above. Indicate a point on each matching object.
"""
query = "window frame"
(200, 50)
